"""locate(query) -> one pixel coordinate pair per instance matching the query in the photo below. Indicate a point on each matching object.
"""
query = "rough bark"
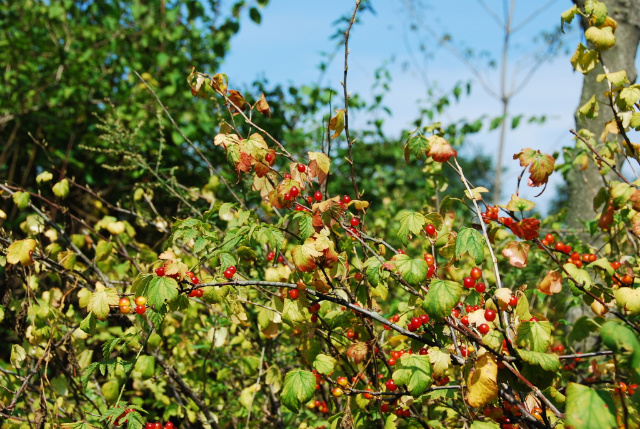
(583, 185)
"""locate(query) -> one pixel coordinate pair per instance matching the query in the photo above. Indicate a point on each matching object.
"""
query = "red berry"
(149, 425)
(141, 309)
(160, 272)
(354, 221)
(287, 196)
(513, 301)
(314, 308)
(391, 361)
(455, 313)
(314, 318)
(294, 191)
(195, 280)
(317, 196)
(424, 318)
(227, 274)
(489, 315)
(549, 237)
(280, 258)
(294, 293)
(169, 425)
(615, 265)
(483, 329)
(125, 309)
(464, 352)
(384, 408)
(270, 256)
(430, 229)
(358, 276)
(468, 282)
(468, 309)
(346, 199)
(157, 425)
(391, 385)
(232, 269)
(431, 270)
(465, 320)
(287, 175)
(302, 168)
(269, 157)
(559, 246)
(199, 293)
(481, 287)
(476, 273)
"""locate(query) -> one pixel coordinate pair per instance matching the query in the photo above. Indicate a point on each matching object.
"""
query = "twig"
(600, 158)
(346, 98)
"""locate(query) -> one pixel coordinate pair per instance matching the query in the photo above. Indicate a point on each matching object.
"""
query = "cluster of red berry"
(229, 272)
(492, 214)
(125, 305)
(470, 281)
(416, 322)
(158, 425)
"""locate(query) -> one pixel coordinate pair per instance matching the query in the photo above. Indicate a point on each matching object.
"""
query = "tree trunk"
(583, 185)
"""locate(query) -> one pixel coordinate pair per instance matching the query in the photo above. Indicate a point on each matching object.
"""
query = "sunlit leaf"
(299, 387)
(414, 372)
(482, 385)
(443, 295)
(20, 252)
(589, 409)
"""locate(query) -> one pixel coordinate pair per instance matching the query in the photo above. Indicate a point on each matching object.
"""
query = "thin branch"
(346, 98)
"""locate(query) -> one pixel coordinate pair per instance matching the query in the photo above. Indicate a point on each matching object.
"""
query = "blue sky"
(286, 48)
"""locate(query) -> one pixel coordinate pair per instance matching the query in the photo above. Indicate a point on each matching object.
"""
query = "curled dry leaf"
(517, 253)
(440, 149)
(599, 309)
(552, 283)
(358, 352)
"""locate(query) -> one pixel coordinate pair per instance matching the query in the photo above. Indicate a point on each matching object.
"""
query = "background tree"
(584, 179)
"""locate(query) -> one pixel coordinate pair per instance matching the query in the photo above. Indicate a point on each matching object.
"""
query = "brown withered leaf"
(220, 82)
(552, 283)
(262, 106)
(606, 218)
(237, 100)
(540, 165)
(526, 229)
(517, 253)
(358, 351)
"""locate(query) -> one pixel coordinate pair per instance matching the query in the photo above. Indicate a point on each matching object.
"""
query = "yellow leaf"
(262, 106)
(503, 295)
(476, 193)
(101, 300)
(21, 251)
(319, 166)
(482, 382)
(337, 123)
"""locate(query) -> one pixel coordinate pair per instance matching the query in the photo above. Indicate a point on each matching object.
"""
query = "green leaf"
(103, 250)
(410, 223)
(484, 425)
(417, 146)
(602, 38)
(443, 295)
(18, 355)
(589, 409)
(440, 360)
(597, 9)
(582, 328)
(470, 241)
(413, 271)
(45, 176)
(305, 223)
(546, 361)
(101, 300)
(581, 275)
(21, 199)
(522, 308)
(618, 78)
(535, 336)
(515, 121)
(584, 60)
(517, 204)
(299, 388)
(293, 312)
(324, 364)
(61, 189)
(493, 339)
(589, 110)
(604, 264)
(414, 372)
(624, 342)
(20, 252)
(374, 272)
(567, 16)
(255, 16)
(88, 324)
(157, 290)
(496, 122)
(629, 96)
